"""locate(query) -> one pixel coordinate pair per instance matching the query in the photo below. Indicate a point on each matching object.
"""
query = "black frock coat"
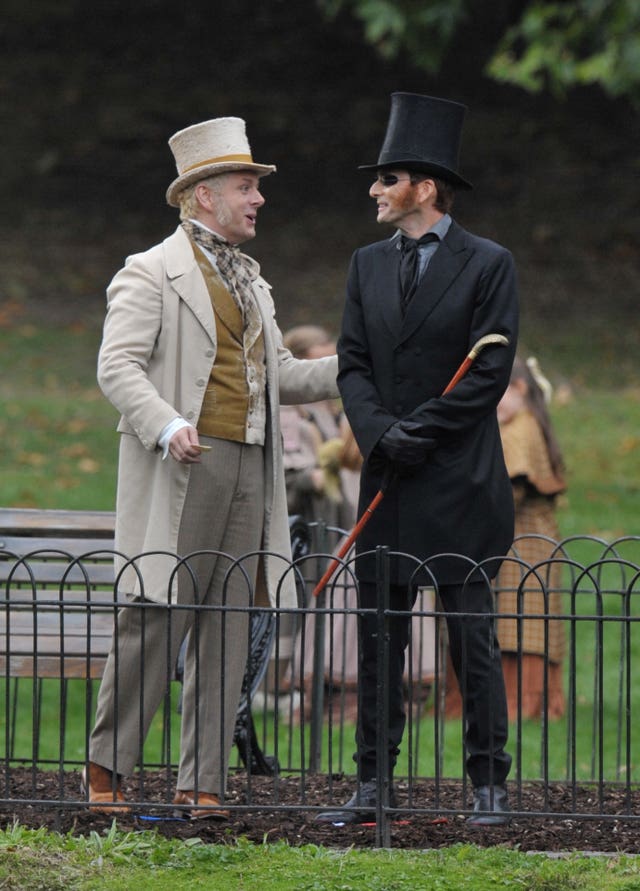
(460, 500)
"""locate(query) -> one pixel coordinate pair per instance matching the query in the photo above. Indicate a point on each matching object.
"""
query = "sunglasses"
(390, 179)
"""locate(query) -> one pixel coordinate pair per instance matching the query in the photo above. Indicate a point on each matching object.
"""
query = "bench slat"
(21, 623)
(82, 523)
(48, 547)
(51, 667)
(86, 576)
(48, 602)
(50, 646)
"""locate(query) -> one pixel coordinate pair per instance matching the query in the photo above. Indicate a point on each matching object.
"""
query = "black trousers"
(476, 660)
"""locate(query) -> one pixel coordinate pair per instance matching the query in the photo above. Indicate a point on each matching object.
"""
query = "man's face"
(395, 196)
(235, 207)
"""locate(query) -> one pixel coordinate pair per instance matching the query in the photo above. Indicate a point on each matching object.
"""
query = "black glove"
(401, 446)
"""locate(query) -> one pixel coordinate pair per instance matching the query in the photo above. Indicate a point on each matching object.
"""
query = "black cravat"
(410, 266)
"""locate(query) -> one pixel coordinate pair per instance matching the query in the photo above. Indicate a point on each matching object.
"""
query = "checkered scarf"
(237, 270)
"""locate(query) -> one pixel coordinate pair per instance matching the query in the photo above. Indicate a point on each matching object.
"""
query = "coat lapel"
(187, 280)
(387, 278)
(445, 266)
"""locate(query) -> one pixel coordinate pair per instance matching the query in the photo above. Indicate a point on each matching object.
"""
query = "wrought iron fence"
(296, 717)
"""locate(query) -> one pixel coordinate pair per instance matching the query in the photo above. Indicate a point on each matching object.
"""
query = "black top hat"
(423, 135)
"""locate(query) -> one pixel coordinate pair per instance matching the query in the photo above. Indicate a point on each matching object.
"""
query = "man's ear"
(427, 191)
(204, 197)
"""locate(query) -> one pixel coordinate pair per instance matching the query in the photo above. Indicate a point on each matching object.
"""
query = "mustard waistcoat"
(226, 403)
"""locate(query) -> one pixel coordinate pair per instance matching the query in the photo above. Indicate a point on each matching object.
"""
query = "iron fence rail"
(296, 716)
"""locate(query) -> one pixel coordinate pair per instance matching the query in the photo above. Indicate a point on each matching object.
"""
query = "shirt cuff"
(167, 432)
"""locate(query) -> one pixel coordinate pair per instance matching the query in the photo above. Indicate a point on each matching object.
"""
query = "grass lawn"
(120, 861)
(57, 429)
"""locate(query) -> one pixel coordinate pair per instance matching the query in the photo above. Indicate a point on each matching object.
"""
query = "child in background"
(536, 468)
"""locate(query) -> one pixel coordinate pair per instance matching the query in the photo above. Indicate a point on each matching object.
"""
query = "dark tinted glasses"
(390, 179)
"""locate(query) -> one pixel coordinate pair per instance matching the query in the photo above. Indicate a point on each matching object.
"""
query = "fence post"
(317, 679)
(383, 830)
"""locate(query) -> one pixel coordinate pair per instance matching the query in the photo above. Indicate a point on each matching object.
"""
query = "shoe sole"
(488, 821)
(219, 817)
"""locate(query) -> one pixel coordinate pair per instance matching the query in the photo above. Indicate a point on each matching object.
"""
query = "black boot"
(361, 807)
(490, 806)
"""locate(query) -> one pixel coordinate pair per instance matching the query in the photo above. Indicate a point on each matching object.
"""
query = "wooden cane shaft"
(346, 545)
(460, 373)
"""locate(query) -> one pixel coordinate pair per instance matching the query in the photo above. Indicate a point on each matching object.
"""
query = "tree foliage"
(543, 46)
(422, 29)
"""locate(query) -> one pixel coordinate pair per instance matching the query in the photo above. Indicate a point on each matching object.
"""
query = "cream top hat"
(215, 146)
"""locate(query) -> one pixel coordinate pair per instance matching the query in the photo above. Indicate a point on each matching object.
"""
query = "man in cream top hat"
(193, 360)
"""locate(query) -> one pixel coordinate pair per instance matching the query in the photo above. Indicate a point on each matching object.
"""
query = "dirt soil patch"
(546, 818)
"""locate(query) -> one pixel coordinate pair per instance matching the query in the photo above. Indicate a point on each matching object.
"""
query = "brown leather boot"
(98, 787)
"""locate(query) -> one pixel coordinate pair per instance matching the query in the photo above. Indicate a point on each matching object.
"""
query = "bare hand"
(184, 446)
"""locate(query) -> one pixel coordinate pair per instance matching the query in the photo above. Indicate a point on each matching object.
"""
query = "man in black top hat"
(416, 305)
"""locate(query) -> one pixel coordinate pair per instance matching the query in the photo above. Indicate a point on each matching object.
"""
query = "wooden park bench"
(57, 605)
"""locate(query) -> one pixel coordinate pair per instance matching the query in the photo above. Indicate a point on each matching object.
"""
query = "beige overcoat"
(158, 348)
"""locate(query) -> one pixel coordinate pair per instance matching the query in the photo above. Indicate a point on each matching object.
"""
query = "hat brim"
(192, 176)
(436, 170)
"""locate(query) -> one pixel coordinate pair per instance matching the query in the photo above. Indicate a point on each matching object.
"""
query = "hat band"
(222, 159)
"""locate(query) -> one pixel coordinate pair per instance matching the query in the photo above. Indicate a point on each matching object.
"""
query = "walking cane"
(473, 354)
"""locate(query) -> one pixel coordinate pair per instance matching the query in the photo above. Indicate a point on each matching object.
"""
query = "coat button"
(200, 382)
(210, 353)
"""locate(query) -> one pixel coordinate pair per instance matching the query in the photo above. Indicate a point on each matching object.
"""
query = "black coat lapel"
(387, 284)
(445, 266)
